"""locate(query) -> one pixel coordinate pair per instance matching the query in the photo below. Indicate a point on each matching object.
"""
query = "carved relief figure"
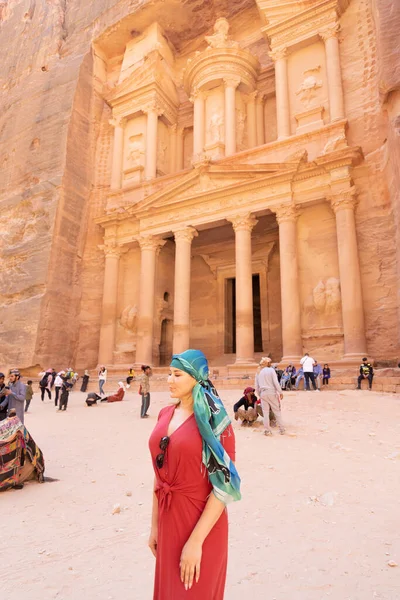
(326, 296)
(240, 126)
(215, 128)
(220, 38)
(308, 90)
(135, 150)
(161, 155)
(128, 318)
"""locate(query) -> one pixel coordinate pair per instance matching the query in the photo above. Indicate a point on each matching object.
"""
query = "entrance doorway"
(166, 342)
(230, 315)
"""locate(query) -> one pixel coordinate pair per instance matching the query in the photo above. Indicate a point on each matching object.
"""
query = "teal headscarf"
(212, 420)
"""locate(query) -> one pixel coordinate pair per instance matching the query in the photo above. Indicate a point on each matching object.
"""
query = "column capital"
(150, 242)
(111, 249)
(260, 98)
(244, 222)
(232, 81)
(173, 128)
(285, 213)
(330, 31)
(186, 234)
(278, 53)
(343, 199)
(153, 107)
(118, 121)
(252, 97)
(196, 93)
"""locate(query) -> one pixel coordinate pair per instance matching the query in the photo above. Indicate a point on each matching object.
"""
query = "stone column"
(290, 295)
(149, 247)
(230, 114)
(118, 152)
(183, 245)
(355, 346)
(282, 92)
(251, 120)
(199, 104)
(260, 119)
(334, 74)
(151, 141)
(109, 306)
(243, 225)
(173, 130)
(180, 138)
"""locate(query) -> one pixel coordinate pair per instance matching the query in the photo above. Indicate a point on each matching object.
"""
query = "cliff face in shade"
(55, 146)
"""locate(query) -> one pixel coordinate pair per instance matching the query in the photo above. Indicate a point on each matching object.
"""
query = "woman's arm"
(154, 524)
(192, 550)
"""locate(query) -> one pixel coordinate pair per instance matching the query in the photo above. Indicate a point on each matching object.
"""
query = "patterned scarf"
(212, 420)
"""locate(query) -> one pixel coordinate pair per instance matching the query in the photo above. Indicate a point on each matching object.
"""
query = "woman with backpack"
(45, 383)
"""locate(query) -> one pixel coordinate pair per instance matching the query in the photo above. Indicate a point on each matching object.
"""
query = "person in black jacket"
(366, 372)
(3, 398)
(246, 408)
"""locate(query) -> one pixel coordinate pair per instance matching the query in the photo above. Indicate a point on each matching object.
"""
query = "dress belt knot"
(165, 490)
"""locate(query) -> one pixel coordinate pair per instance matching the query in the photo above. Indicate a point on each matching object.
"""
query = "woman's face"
(148, 371)
(180, 383)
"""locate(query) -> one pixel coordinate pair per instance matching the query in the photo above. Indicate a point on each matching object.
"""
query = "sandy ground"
(319, 517)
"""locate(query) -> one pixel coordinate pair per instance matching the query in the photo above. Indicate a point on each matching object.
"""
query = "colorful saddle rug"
(20, 458)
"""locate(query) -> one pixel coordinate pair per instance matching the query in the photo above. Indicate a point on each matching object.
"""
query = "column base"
(355, 357)
(290, 359)
(243, 367)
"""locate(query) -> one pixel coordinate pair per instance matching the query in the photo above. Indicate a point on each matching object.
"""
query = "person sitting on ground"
(130, 378)
(366, 372)
(299, 377)
(92, 398)
(317, 374)
(118, 396)
(3, 398)
(288, 378)
(248, 414)
(28, 395)
(326, 374)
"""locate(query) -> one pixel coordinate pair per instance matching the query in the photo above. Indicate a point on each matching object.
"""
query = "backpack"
(44, 381)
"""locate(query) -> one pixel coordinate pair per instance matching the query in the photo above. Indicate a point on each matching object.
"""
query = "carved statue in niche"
(161, 154)
(326, 296)
(308, 90)
(128, 318)
(135, 150)
(220, 38)
(215, 128)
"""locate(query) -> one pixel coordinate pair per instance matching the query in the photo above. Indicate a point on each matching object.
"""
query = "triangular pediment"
(212, 179)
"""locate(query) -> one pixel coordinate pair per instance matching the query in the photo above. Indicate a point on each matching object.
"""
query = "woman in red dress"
(193, 449)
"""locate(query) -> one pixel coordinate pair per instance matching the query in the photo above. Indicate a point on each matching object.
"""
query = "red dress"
(182, 489)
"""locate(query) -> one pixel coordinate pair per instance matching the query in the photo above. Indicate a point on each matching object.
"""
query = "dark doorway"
(230, 315)
(166, 342)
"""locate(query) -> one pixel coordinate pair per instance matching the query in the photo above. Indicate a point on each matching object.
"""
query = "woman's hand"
(190, 563)
(153, 541)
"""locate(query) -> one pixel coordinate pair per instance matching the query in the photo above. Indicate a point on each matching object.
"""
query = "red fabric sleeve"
(228, 441)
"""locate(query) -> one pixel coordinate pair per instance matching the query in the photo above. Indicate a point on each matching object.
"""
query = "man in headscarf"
(270, 392)
(16, 394)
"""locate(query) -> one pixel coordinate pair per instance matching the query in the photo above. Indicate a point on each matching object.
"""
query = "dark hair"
(144, 367)
(365, 358)
(29, 382)
(326, 365)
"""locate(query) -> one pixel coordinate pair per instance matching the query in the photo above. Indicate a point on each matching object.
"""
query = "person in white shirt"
(270, 393)
(59, 380)
(307, 362)
(102, 379)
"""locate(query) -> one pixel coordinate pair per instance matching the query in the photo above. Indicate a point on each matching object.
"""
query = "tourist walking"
(144, 390)
(28, 394)
(326, 374)
(65, 389)
(16, 394)
(85, 381)
(366, 372)
(60, 378)
(102, 380)
(307, 363)
(268, 388)
(45, 383)
(189, 526)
